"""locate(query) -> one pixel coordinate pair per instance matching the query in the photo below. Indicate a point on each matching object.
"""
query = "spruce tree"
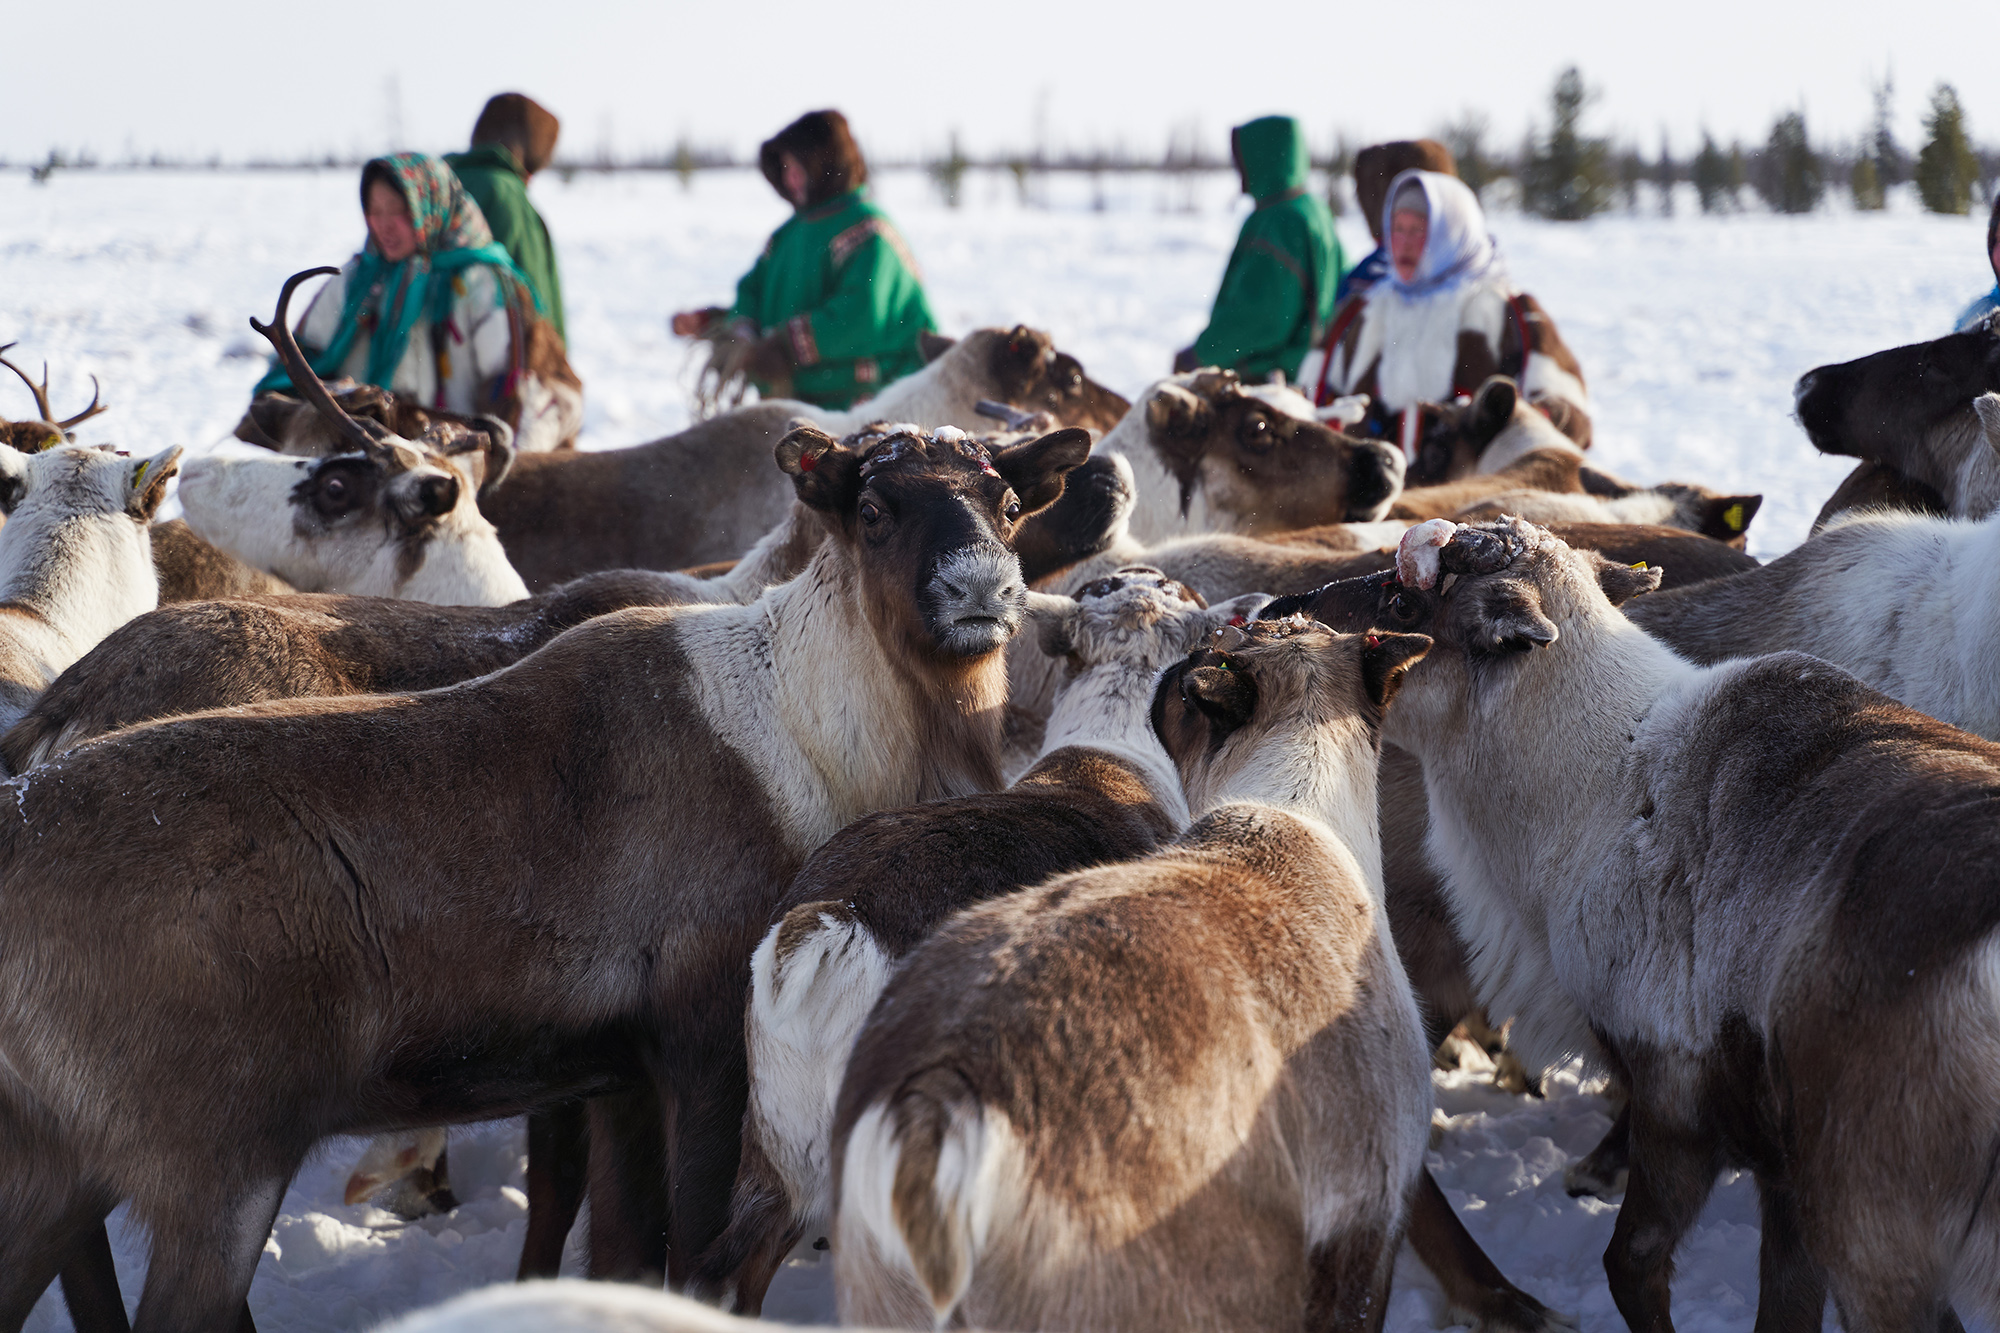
(1568, 177)
(1712, 176)
(1946, 165)
(1892, 165)
(1664, 176)
(1866, 183)
(1789, 175)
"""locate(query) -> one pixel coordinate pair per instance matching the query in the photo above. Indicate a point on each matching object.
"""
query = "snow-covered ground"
(1690, 329)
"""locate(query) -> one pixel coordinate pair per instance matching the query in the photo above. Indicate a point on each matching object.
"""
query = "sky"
(191, 78)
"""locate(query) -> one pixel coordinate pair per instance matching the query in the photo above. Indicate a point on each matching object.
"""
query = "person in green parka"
(513, 139)
(835, 307)
(1278, 290)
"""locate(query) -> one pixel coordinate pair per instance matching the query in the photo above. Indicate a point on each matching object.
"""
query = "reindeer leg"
(1350, 1277)
(1791, 1292)
(1478, 1292)
(1602, 1172)
(761, 1232)
(90, 1285)
(628, 1186)
(558, 1168)
(705, 1142)
(1672, 1174)
(204, 1256)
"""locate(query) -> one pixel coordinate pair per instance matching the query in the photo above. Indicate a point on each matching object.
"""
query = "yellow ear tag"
(140, 475)
(1636, 564)
(1733, 516)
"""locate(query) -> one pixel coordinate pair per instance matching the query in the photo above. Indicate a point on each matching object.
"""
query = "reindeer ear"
(437, 494)
(1236, 611)
(1621, 583)
(1023, 350)
(13, 477)
(825, 473)
(498, 451)
(1036, 469)
(1508, 618)
(934, 345)
(1492, 409)
(1176, 412)
(1222, 692)
(1384, 659)
(1726, 517)
(269, 417)
(1055, 620)
(146, 483)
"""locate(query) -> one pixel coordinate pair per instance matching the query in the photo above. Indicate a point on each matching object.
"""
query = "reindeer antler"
(41, 392)
(279, 332)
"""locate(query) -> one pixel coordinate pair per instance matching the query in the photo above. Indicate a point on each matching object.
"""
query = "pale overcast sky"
(193, 77)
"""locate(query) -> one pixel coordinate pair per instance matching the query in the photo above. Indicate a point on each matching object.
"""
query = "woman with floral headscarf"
(1442, 318)
(433, 310)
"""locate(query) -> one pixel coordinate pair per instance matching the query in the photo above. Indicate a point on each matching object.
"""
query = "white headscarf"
(1458, 249)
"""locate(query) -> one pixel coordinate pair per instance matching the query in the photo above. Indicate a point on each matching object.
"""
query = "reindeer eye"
(1013, 509)
(335, 488)
(870, 513)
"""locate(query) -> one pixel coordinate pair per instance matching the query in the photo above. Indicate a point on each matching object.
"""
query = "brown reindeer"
(706, 494)
(39, 432)
(1102, 791)
(286, 907)
(1186, 1091)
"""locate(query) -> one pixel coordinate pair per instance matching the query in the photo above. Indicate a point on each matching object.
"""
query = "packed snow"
(1690, 329)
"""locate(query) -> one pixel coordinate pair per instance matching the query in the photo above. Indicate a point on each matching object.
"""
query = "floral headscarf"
(452, 235)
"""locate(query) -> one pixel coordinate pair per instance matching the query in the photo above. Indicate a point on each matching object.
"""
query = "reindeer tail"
(917, 1184)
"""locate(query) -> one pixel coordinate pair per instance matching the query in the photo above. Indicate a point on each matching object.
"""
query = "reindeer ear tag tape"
(1733, 516)
(807, 462)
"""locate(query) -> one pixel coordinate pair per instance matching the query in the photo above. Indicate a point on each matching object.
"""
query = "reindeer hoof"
(1511, 1311)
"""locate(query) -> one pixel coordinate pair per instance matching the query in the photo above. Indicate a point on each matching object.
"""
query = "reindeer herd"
(1025, 842)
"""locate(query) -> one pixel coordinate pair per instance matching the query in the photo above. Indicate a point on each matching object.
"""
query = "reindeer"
(75, 559)
(1909, 603)
(574, 1307)
(1198, 442)
(193, 570)
(394, 518)
(1742, 867)
(285, 951)
(1908, 415)
(705, 494)
(40, 432)
(1102, 791)
(1185, 1091)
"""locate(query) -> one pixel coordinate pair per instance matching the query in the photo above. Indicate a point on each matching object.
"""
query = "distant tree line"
(1559, 170)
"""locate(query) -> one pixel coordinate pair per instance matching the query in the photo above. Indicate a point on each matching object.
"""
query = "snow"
(1690, 329)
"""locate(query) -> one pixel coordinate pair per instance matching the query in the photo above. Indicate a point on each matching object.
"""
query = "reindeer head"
(925, 519)
(44, 430)
(78, 517)
(1136, 617)
(1277, 710)
(388, 516)
(1028, 372)
(1910, 409)
(1264, 458)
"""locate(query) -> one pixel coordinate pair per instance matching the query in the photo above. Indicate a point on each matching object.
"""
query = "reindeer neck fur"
(1525, 766)
(1157, 514)
(1325, 772)
(1969, 471)
(462, 564)
(81, 575)
(834, 723)
(1108, 707)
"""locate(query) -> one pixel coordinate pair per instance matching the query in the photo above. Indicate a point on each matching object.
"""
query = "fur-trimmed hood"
(823, 144)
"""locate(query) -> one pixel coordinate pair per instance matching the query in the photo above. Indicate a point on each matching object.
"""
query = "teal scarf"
(452, 236)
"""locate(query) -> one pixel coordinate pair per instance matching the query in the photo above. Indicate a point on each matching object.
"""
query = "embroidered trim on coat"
(805, 350)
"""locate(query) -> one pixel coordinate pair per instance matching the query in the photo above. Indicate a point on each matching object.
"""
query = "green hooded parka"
(841, 284)
(1277, 292)
(492, 175)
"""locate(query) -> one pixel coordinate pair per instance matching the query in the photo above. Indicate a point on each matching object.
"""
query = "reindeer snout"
(977, 599)
(1374, 480)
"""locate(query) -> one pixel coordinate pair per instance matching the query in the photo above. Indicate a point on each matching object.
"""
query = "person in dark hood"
(513, 139)
(1278, 289)
(835, 307)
